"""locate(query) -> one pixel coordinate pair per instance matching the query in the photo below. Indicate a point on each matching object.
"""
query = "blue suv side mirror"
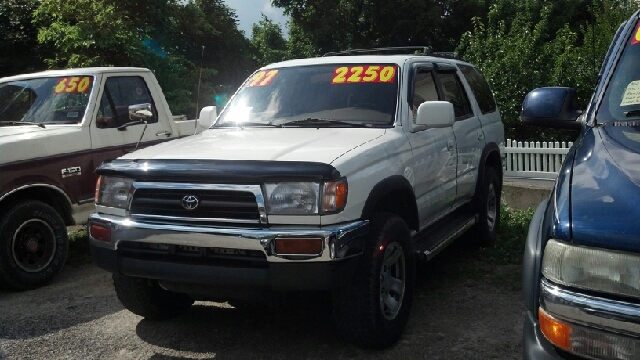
(552, 107)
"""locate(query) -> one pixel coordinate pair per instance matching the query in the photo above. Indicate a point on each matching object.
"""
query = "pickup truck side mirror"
(140, 112)
(207, 117)
(435, 114)
(552, 107)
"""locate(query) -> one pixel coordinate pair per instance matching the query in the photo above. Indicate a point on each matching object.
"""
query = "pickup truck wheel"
(371, 303)
(33, 245)
(488, 207)
(146, 298)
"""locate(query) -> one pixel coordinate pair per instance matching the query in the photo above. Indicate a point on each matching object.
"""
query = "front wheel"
(371, 303)
(488, 208)
(33, 245)
(146, 298)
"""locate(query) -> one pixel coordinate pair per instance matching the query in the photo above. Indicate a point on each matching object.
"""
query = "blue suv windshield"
(622, 99)
(319, 96)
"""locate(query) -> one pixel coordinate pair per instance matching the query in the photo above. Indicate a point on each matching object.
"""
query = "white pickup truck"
(328, 173)
(56, 127)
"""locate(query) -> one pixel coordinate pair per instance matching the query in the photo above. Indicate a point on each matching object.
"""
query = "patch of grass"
(509, 246)
(79, 253)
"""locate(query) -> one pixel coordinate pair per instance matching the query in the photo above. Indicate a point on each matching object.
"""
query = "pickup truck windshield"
(318, 96)
(60, 100)
(622, 99)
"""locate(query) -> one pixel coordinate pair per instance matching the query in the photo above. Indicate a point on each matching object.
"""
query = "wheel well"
(494, 161)
(48, 196)
(401, 203)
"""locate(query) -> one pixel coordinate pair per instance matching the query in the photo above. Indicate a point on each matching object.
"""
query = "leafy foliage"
(508, 249)
(268, 42)
(322, 26)
(19, 48)
(525, 45)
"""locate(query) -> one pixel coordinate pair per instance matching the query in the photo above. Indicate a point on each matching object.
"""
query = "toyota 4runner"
(328, 173)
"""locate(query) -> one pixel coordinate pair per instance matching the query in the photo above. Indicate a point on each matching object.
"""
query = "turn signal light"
(100, 233)
(298, 246)
(559, 334)
(98, 183)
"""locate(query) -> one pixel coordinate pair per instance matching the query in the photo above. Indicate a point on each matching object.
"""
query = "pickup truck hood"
(322, 145)
(605, 191)
(24, 142)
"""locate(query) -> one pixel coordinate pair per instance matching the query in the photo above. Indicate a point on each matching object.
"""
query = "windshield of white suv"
(318, 96)
(622, 99)
(60, 100)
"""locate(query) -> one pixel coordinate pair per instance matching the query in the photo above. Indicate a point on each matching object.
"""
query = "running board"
(429, 242)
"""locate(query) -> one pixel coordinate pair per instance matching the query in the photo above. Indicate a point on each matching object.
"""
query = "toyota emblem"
(190, 202)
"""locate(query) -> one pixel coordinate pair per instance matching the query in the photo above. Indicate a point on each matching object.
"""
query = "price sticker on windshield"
(262, 78)
(636, 38)
(75, 84)
(363, 74)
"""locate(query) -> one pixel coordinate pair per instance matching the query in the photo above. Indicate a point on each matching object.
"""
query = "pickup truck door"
(467, 131)
(433, 152)
(117, 93)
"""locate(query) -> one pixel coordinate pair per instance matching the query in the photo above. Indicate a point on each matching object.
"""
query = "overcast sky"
(248, 12)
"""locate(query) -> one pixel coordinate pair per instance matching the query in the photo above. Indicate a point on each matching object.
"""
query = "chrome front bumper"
(339, 241)
(592, 311)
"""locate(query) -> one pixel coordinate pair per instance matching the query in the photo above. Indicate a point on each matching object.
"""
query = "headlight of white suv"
(306, 198)
(113, 191)
(592, 269)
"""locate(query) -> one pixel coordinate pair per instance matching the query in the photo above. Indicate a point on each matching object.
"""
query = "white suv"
(328, 173)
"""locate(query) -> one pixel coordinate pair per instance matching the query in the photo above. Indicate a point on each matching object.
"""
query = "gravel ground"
(464, 309)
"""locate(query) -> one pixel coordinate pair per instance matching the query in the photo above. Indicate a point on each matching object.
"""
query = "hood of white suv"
(290, 144)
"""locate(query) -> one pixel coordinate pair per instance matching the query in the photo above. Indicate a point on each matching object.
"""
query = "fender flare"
(489, 149)
(385, 187)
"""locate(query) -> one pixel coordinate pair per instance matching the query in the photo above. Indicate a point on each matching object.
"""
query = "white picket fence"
(534, 160)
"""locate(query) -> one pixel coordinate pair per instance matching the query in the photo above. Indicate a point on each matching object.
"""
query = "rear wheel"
(488, 208)
(146, 298)
(33, 245)
(371, 303)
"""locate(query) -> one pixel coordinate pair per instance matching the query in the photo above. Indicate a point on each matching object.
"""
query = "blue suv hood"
(605, 188)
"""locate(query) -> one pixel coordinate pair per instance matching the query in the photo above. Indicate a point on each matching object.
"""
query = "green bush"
(509, 247)
(79, 253)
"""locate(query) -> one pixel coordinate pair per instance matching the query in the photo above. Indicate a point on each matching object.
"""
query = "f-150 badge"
(71, 171)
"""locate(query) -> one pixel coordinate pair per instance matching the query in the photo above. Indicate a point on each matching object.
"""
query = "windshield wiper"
(3, 123)
(247, 124)
(632, 113)
(322, 121)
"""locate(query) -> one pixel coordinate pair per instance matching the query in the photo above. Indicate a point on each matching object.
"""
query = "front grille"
(212, 204)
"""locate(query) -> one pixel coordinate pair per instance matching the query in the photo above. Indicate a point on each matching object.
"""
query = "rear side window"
(480, 88)
(455, 94)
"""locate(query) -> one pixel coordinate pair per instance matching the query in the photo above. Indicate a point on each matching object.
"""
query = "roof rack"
(415, 50)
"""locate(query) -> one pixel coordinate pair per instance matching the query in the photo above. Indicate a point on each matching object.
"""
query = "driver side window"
(120, 92)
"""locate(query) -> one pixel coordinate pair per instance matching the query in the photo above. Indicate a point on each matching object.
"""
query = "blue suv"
(581, 267)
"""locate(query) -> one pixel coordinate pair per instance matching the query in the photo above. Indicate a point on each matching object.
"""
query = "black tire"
(488, 208)
(146, 298)
(361, 298)
(33, 245)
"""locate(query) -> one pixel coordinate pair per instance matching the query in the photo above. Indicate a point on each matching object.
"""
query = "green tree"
(20, 51)
(330, 25)
(268, 42)
(530, 44)
(191, 45)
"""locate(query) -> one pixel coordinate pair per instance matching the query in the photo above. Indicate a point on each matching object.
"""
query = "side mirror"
(207, 117)
(552, 107)
(435, 114)
(140, 112)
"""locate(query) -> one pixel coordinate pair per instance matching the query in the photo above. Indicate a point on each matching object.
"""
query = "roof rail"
(415, 50)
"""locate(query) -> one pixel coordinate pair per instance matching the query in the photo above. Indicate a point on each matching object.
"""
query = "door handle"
(450, 145)
(480, 135)
(165, 133)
